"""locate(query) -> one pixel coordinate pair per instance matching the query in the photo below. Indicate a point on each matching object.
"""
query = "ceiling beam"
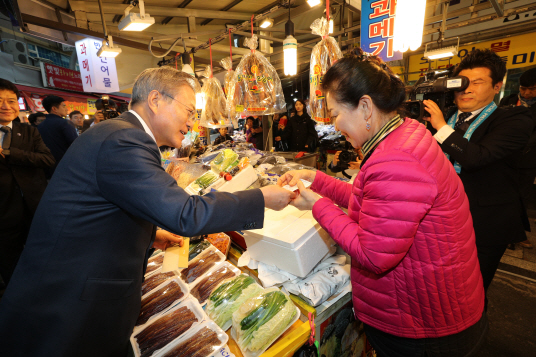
(297, 11)
(499, 8)
(225, 8)
(114, 8)
(181, 6)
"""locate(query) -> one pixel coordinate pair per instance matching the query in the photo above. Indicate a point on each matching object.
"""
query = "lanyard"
(488, 110)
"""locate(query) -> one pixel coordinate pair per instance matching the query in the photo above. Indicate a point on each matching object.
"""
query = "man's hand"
(292, 178)
(437, 120)
(165, 239)
(276, 198)
(306, 198)
(2, 153)
(277, 138)
(336, 158)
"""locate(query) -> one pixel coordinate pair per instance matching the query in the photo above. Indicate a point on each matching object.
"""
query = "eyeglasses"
(191, 113)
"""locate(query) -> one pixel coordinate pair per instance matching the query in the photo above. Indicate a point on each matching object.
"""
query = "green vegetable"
(231, 290)
(224, 160)
(196, 249)
(206, 179)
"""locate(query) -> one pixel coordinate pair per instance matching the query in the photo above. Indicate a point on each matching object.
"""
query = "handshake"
(276, 197)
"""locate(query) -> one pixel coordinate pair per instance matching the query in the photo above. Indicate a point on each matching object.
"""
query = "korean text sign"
(99, 74)
(62, 78)
(377, 29)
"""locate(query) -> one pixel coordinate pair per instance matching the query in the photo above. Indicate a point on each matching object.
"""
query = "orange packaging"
(221, 241)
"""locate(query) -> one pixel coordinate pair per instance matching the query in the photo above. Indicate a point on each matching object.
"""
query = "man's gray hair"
(166, 80)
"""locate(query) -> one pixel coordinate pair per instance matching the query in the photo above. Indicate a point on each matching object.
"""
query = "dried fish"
(195, 269)
(155, 280)
(159, 301)
(203, 289)
(202, 344)
(154, 263)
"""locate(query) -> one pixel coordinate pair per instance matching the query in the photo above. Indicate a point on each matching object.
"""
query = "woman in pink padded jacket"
(415, 276)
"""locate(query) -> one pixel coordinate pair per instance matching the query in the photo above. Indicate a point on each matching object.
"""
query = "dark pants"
(12, 242)
(489, 258)
(462, 344)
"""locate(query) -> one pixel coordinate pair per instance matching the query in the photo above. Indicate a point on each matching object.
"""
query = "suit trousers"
(462, 344)
(11, 246)
(489, 258)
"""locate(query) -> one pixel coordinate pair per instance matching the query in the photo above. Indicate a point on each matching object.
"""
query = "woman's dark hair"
(528, 78)
(7, 85)
(302, 103)
(52, 101)
(486, 59)
(358, 74)
(32, 118)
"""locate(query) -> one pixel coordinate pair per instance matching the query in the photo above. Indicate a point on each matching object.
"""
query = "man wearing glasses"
(77, 288)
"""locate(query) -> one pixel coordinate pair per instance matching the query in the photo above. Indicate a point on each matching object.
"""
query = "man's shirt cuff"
(443, 133)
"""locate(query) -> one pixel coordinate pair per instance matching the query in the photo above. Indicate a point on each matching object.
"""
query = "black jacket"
(58, 134)
(21, 172)
(76, 290)
(527, 159)
(300, 131)
(221, 139)
(490, 175)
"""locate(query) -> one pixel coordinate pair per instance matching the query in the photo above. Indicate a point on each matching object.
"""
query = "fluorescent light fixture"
(290, 51)
(86, 116)
(313, 3)
(409, 24)
(108, 49)
(445, 52)
(199, 100)
(135, 22)
(267, 23)
(186, 68)
(330, 26)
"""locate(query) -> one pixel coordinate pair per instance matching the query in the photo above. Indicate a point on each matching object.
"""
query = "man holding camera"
(483, 143)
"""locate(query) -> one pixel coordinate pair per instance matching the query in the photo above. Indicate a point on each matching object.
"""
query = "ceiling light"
(295, 99)
(313, 3)
(445, 52)
(186, 68)
(86, 116)
(330, 26)
(409, 24)
(290, 49)
(135, 22)
(267, 23)
(108, 49)
(296, 91)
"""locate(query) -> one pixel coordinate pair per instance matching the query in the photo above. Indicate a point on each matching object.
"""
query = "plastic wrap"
(201, 264)
(160, 300)
(221, 241)
(256, 87)
(226, 160)
(196, 249)
(227, 64)
(154, 263)
(171, 325)
(203, 342)
(228, 296)
(324, 55)
(184, 173)
(260, 320)
(214, 114)
(206, 285)
(155, 280)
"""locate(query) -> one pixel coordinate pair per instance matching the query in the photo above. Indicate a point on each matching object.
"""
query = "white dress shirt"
(10, 125)
(145, 127)
(443, 133)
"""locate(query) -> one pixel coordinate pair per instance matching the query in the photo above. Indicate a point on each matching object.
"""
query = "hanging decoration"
(324, 55)
(256, 87)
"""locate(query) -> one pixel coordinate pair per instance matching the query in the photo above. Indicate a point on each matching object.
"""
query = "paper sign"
(377, 29)
(99, 74)
(176, 257)
(295, 188)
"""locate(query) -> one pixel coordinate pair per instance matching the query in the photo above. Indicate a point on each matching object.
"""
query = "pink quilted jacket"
(410, 235)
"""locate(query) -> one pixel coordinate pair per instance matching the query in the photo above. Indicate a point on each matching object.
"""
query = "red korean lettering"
(500, 46)
(88, 80)
(85, 64)
(83, 49)
(390, 48)
(382, 8)
(379, 46)
(384, 28)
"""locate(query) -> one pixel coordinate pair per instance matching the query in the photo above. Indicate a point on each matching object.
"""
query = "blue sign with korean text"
(377, 28)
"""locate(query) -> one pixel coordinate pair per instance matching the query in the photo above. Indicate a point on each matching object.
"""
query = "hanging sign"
(61, 78)
(377, 29)
(99, 74)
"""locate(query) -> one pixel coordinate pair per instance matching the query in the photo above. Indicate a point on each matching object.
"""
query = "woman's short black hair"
(483, 59)
(302, 103)
(52, 101)
(359, 74)
(7, 85)
(528, 78)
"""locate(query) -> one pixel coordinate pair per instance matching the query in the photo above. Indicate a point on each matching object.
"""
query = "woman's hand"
(165, 239)
(436, 119)
(292, 178)
(281, 127)
(305, 199)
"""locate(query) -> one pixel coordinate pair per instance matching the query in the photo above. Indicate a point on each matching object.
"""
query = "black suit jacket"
(21, 172)
(77, 288)
(490, 175)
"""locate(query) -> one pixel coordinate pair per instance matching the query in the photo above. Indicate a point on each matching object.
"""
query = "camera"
(345, 157)
(107, 111)
(438, 86)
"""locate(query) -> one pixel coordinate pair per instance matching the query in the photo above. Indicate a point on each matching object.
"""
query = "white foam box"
(291, 239)
(240, 181)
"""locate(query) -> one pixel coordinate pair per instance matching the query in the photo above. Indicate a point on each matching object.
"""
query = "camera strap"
(484, 114)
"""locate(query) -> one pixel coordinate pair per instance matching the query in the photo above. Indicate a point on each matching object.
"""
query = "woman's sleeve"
(396, 197)
(336, 190)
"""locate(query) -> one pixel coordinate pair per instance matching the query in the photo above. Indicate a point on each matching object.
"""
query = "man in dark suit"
(527, 160)
(57, 133)
(23, 156)
(483, 143)
(77, 288)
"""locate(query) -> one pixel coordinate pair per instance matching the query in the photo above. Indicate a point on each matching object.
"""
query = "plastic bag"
(226, 160)
(160, 300)
(262, 319)
(227, 63)
(228, 296)
(256, 87)
(324, 55)
(183, 172)
(214, 114)
(204, 288)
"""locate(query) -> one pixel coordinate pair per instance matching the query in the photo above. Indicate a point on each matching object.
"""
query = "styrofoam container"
(150, 262)
(291, 240)
(184, 288)
(156, 272)
(191, 304)
(226, 265)
(240, 181)
(222, 336)
(215, 266)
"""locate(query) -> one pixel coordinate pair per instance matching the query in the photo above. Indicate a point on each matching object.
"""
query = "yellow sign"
(516, 51)
(91, 106)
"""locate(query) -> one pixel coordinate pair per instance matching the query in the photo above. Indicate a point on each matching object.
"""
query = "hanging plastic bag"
(256, 87)
(324, 55)
(227, 64)
(214, 114)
